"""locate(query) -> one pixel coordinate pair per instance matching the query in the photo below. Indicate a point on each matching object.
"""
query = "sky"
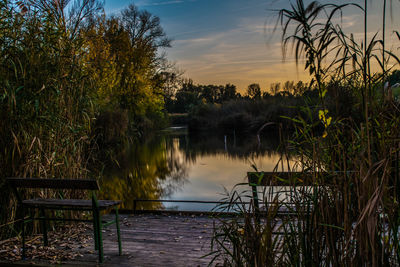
(232, 41)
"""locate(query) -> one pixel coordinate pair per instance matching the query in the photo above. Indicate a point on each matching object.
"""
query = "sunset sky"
(232, 41)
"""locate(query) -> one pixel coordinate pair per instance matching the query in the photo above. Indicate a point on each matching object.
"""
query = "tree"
(123, 57)
(228, 92)
(300, 88)
(209, 93)
(187, 96)
(254, 91)
(288, 87)
(170, 80)
(275, 88)
(144, 28)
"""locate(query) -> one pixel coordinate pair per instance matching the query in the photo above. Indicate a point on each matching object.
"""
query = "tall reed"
(45, 109)
(351, 216)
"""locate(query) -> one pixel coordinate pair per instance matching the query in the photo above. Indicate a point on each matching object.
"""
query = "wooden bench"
(285, 179)
(290, 179)
(42, 204)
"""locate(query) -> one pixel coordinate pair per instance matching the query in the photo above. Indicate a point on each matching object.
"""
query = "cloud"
(246, 52)
(166, 3)
(240, 56)
(162, 3)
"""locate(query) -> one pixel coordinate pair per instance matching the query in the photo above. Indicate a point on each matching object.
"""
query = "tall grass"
(349, 218)
(46, 113)
(74, 82)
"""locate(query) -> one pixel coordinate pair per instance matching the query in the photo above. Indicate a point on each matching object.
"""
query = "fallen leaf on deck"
(62, 242)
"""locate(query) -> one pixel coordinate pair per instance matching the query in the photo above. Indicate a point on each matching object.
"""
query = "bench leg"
(95, 232)
(100, 237)
(44, 227)
(98, 240)
(118, 231)
(23, 240)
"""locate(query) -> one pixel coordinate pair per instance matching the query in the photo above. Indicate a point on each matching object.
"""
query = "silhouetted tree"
(144, 29)
(254, 91)
(209, 93)
(288, 86)
(300, 88)
(228, 92)
(275, 88)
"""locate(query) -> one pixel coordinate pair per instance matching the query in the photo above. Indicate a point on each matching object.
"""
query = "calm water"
(177, 166)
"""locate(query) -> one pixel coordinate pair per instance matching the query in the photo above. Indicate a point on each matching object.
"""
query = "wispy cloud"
(162, 3)
(166, 3)
(240, 55)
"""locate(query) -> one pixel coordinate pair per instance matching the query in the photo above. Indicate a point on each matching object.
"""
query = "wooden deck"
(147, 240)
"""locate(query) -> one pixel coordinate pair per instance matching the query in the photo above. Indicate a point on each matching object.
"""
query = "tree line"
(187, 95)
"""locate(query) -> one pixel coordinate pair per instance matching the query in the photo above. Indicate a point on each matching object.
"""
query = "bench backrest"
(293, 178)
(289, 179)
(286, 178)
(78, 184)
(277, 179)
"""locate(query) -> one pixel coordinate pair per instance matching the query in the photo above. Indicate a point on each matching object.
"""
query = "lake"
(175, 165)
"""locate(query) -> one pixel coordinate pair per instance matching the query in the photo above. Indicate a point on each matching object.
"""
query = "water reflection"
(176, 165)
(144, 171)
(232, 146)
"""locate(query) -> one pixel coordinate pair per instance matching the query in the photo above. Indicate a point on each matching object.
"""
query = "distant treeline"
(187, 95)
(222, 108)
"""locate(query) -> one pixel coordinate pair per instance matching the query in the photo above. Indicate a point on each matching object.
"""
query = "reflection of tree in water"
(233, 146)
(178, 169)
(158, 167)
(146, 171)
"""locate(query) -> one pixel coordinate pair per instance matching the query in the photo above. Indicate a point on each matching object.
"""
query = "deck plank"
(151, 240)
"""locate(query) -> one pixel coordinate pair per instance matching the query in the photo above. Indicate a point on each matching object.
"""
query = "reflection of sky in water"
(208, 175)
(177, 166)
